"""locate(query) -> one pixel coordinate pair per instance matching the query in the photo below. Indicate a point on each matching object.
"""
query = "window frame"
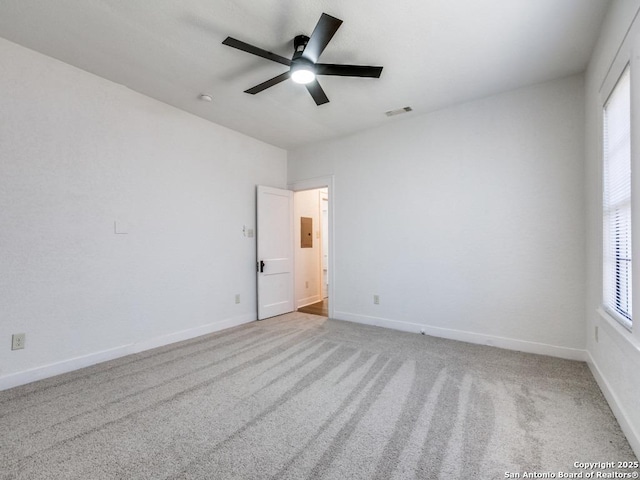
(617, 209)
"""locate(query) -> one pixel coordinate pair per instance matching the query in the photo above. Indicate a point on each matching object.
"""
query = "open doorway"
(311, 225)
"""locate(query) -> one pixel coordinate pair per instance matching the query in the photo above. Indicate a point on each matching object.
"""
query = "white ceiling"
(435, 53)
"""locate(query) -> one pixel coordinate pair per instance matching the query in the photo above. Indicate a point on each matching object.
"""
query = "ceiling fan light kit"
(302, 74)
(304, 66)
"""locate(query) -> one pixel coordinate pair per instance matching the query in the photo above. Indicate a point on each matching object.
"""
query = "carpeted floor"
(300, 396)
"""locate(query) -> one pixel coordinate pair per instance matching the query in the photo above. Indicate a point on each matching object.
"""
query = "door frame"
(313, 184)
(324, 243)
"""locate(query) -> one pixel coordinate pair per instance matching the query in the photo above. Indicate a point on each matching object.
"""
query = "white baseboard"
(192, 332)
(303, 302)
(64, 366)
(469, 337)
(69, 365)
(633, 436)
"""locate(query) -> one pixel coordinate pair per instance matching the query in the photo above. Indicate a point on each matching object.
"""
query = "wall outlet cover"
(17, 341)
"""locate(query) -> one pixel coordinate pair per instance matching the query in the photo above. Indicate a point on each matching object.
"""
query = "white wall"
(615, 357)
(308, 291)
(77, 153)
(468, 222)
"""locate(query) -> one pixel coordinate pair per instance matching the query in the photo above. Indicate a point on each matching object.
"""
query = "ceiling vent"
(391, 113)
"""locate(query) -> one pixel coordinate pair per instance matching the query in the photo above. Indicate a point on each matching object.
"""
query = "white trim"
(64, 366)
(619, 61)
(619, 331)
(323, 196)
(309, 301)
(71, 364)
(193, 332)
(469, 337)
(311, 184)
(633, 436)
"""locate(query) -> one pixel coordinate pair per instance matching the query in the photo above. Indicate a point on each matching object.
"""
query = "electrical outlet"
(17, 341)
(376, 299)
(237, 298)
(306, 284)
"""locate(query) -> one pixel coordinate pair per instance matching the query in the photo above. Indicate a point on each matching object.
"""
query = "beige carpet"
(300, 396)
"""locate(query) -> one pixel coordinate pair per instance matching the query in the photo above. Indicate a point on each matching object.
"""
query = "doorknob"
(261, 266)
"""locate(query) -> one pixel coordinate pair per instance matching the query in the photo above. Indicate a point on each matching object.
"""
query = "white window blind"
(617, 201)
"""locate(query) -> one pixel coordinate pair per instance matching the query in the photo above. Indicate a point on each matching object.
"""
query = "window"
(617, 201)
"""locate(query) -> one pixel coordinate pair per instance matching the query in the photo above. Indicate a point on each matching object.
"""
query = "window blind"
(617, 201)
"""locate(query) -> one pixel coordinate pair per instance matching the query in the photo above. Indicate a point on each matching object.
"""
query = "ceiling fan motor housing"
(299, 44)
(302, 69)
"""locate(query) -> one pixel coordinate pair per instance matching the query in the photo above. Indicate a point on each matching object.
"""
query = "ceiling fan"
(304, 66)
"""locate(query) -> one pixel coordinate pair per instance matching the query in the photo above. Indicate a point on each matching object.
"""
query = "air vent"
(391, 113)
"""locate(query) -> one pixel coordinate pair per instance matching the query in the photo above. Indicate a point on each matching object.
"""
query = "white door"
(275, 251)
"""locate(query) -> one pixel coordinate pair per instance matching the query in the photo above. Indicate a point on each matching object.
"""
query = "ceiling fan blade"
(269, 83)
(245, 47)
(317, 93)
(325, 29)
(348, 70)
